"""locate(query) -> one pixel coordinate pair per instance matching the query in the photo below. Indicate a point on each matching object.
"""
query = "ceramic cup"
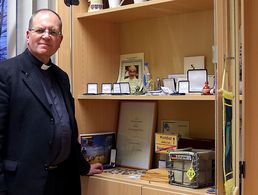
(95, 5)
(139, 1)
(114, 3)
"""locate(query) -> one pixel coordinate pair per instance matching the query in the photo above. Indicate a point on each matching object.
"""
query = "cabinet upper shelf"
(137, 97)
(148, 9)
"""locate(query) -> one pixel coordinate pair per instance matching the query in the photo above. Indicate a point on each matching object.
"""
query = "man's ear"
(71, 2)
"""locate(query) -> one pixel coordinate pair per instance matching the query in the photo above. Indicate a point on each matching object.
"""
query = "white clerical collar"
(45, 67)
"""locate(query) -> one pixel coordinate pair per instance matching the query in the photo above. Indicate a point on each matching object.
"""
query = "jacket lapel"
(33, 82)
(31, 77)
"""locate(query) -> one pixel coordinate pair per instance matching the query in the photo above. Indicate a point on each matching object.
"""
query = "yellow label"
(190, 174)
(166, 139)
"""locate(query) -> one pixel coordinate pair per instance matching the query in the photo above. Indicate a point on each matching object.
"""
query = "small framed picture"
(125, 88)
(169, 83)
(116, 88)
(183, 86)
(92, 88)
(197, 79)
(97, 147)
(106, 88)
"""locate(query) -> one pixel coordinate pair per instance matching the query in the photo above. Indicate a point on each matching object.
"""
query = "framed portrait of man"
(131, 71)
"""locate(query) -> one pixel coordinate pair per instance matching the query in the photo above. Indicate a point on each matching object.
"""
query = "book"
(96, 147)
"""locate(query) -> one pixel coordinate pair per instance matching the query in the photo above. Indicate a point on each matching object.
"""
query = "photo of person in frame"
(132, 76)
(131, 72)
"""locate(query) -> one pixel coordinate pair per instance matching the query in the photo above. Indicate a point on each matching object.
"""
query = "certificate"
(116, 88)
(106, 88)
(135, 134)
(125, 88)
(92, 88)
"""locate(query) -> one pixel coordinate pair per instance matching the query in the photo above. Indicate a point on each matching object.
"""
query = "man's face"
(132, 72)
(44, 37)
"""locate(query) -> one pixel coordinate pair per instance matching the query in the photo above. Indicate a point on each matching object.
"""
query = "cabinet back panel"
(200, 115)
(97, 116)
(103, 115)
(96, 56)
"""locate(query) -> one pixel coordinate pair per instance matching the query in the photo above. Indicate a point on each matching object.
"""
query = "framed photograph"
(197, 79)
(169, 83)
(177, 78)
(116, 88)
(175, 127)
(131, 70)
(96, 147)
(106, 88)
(92, 88)
(125, 88)
(135, 136)
(183, 86)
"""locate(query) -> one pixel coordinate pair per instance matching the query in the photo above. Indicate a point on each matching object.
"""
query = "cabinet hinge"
(214, 54)
(241, 169)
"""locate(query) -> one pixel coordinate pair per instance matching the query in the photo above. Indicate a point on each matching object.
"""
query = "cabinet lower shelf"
(145, 185)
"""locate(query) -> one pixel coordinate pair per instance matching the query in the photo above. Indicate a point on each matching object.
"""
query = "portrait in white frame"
(131, 70)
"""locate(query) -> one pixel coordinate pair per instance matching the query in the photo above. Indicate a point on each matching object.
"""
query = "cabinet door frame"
(227, 41)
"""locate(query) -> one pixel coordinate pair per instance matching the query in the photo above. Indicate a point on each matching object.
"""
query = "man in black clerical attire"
(39, 151)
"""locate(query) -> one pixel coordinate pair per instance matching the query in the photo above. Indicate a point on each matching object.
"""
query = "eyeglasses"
(41, 31)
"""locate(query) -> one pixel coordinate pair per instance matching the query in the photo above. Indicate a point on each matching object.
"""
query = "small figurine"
(206, 89)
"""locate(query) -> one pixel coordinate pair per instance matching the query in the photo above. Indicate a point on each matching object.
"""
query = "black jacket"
(27, 126)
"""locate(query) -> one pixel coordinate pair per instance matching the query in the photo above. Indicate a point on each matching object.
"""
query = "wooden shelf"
(157, 185)
(148, 9)
(143, 97)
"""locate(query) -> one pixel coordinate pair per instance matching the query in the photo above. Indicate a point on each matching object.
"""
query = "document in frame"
(135, 134)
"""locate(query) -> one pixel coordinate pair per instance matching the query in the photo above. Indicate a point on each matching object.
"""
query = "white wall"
(18, 16)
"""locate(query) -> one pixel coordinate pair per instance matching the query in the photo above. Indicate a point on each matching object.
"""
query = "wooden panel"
(97, 116)
(219, 39)
(251, 96)
(64, 53)
(147, 188)
(96, 54)
(175, 191)
(97, 186)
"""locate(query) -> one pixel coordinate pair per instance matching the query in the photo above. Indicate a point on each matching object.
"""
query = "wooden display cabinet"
(165, 31)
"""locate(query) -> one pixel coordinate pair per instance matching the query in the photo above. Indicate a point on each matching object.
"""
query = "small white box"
(194, 62)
